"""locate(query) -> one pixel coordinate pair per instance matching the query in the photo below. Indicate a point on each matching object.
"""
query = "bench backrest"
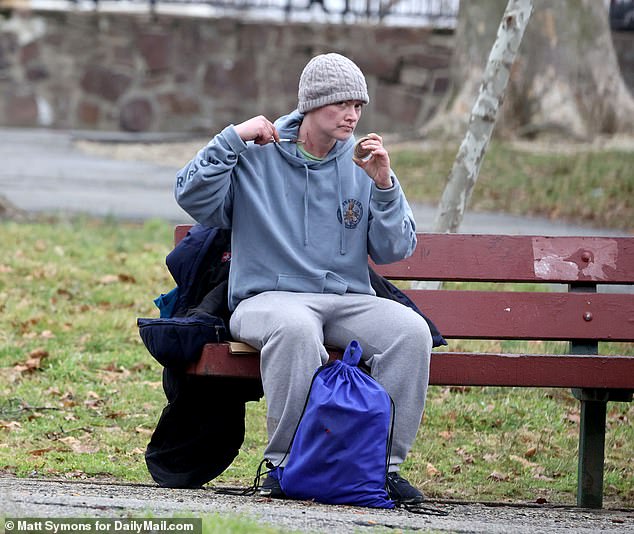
(578, 315)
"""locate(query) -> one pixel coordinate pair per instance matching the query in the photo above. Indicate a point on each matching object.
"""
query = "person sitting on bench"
(305, 213)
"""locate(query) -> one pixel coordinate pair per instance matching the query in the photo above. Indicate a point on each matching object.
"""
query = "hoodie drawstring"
(342, 225)
(306, 191)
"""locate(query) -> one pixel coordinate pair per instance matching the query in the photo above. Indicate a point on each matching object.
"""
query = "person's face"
(340, 119)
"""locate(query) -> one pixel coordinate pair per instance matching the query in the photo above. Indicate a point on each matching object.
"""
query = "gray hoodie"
(297, 225)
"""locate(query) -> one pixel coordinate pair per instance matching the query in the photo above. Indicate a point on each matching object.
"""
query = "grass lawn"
(591, 187)
(80, 395)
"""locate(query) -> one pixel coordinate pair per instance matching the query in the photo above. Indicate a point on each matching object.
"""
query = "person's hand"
(377, 166)
(258, 129)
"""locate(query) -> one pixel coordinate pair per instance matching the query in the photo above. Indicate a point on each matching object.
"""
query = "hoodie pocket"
(327, 282)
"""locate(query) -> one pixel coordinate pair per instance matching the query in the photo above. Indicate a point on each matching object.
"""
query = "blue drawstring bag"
(340, 451)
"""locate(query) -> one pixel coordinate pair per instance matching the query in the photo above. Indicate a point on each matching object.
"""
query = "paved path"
(46, 498)
(44, 171)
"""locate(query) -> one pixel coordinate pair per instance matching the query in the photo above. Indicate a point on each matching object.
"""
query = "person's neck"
(315, 143)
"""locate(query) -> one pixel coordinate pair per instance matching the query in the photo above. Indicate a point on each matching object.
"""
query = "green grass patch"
(593, 187)
(80, 395)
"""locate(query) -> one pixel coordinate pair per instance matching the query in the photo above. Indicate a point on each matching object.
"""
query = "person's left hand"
(377, 166)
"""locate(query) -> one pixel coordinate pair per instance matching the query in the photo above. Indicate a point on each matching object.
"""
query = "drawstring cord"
(306, 191)
(342, 222)
(250, 490)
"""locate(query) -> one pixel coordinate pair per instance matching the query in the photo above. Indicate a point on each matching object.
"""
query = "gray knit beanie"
(330, 78)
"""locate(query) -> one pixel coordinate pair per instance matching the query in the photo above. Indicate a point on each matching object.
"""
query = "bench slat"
(526, 315)
(465, 369)
(482, 257)
(454, 257)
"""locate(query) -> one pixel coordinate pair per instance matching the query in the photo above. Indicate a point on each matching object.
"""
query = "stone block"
(36, 73)
(105, 83)
(179, 103)
(136, 115)
(399, 36)
(88, 113)
(21, 109)
(29, 52)
(232, 78)
(383, 66)
(155, 50)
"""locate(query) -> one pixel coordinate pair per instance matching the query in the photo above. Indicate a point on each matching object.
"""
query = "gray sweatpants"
(290, 330)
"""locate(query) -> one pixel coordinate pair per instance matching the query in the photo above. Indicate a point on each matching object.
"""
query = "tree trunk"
(566, 79)
(466, 167)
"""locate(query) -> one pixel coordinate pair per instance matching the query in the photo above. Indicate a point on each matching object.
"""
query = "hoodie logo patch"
(352, 213)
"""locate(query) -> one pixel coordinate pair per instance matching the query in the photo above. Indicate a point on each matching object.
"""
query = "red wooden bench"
(581, 315)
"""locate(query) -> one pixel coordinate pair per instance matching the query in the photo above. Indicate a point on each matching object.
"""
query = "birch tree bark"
(466, 167)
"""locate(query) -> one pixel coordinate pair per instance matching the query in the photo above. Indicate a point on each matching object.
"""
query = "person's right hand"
(258, 129)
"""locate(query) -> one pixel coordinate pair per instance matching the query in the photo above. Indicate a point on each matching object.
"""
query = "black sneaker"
(401, 491)
(271, 488)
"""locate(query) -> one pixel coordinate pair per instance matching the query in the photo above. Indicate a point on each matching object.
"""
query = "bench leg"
(594, 404)
(591, 454)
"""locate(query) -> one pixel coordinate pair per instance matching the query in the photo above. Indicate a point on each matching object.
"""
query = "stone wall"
(114, 71)
(139, 73)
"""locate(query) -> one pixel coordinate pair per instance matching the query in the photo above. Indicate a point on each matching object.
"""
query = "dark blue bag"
(179, 341)
(340, 451)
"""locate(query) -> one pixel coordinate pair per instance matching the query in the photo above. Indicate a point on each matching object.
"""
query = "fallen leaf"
(33, 362)
(446, 434)
(10, 425)
(456, 469)
(114, 278)
(141, 430)
(68, 400)
(530, 452)
(498, 477)
(432, 471)
(468, 458)
(40, 452)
